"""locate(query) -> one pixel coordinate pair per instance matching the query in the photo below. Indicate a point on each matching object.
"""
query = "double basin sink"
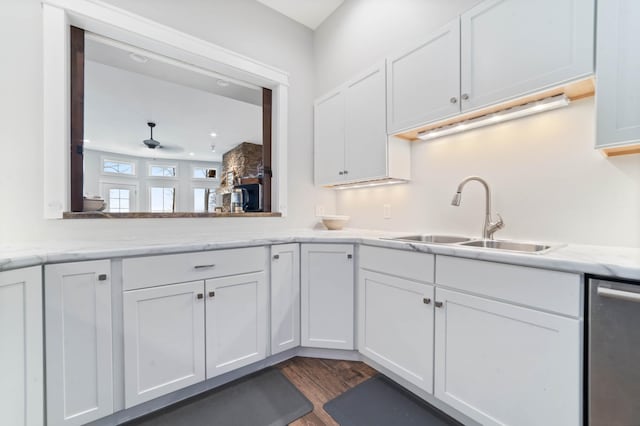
(515, 246)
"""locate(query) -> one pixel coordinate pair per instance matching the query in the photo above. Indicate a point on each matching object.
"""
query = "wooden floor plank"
(321, 380)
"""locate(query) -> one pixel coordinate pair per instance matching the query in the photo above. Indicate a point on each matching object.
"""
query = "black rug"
(381, 402)
(266, 398)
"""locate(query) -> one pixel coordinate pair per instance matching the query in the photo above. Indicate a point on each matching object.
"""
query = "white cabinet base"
(503, 364)
(22, 381)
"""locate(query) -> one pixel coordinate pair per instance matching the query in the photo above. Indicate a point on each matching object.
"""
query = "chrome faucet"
(489, 227)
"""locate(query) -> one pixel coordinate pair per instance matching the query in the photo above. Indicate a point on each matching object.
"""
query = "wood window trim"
(76, 74)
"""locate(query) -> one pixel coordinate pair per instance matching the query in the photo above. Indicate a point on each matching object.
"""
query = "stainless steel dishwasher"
(614, 353)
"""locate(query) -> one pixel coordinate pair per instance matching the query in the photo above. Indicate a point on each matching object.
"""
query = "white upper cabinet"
(350, 134)
(285, 297)
(365, 127)
(618, 68)
(510, 48)
(22, 383)
(423, 83)
(237, 322)
(329, 139)
(78, 342)
(327, 292)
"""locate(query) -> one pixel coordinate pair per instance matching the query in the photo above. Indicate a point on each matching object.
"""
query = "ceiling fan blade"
(171, 148)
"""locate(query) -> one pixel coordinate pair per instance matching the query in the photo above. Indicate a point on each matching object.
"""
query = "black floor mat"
(381, 402)
(263, 399)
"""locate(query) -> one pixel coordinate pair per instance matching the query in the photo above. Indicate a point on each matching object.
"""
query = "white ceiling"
(119, 103)
(186, 103)
(308, 12)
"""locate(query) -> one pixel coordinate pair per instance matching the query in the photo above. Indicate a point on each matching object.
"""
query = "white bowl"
(93, 204)
(334, 222)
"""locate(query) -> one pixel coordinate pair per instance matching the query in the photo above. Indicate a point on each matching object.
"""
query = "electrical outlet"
(386, 211)
(319, 210)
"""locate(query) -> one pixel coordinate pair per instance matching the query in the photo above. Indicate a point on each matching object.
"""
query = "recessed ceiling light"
(222, 83)
(213, 134)
(138, 58)
(192, 154)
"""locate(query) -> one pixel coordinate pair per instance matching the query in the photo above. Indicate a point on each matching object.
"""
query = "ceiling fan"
(151, 143)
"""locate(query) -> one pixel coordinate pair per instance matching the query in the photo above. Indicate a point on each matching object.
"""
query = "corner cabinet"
(327, 292)
(395, 324)
(285, 297)
(618, 67)
(78, 338)
(497, 51)
(350, 134)
(21, 351)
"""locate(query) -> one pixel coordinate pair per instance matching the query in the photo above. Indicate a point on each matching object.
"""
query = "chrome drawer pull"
(618, 294)
(204, 266)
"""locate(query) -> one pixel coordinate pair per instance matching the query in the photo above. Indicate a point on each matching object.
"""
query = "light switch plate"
(386, 211)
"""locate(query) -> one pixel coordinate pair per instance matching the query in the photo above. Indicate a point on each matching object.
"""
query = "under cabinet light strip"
(368, 184)
(530, 108)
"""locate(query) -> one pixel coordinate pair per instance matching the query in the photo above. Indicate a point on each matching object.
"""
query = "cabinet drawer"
(401, 263)
(552, 291)
(151, 271)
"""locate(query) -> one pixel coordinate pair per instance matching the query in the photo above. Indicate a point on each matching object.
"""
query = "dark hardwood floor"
(321, 380)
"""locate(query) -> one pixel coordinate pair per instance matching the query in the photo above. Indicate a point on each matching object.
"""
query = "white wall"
(548, 182)
(244, 26)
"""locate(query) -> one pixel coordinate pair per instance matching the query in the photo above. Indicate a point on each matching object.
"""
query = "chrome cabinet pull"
(102, 277)
(465, 96)
(204, 266)
(453, 100)
(199, 296)
(346, 172)
(349, 256)
(212, 294)
(438, 304)
(341, 173)
(426, 300)
(618, 294)
(276, 256)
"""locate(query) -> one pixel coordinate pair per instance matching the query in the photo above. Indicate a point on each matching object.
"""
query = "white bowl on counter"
(334, 222)
(93, 204)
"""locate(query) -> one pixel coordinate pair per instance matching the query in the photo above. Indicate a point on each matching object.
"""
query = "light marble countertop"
(619, 262)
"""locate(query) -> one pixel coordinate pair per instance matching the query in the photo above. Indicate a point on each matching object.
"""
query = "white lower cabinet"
(237, 322)
(21, 352)
(164, 340)
(327, 296)
(285, 297)
(503, 364)
(396, 325)
(78, 342)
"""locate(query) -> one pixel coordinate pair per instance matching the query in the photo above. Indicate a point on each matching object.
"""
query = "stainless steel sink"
(509, 245)
(433, 239)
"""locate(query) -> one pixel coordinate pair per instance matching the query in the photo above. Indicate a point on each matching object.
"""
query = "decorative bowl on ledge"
(93, 204)
(334, 222)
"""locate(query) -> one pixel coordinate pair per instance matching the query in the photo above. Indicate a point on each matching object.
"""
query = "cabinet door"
(21, 352)
(366, 126)
(514, 47)
(618, 85)
(237, 322)
(163, 340)
(327, 295)
(423, 83)
(502, 364)
(285, 297)
(329, 139)
(78, 342)
(396, 325)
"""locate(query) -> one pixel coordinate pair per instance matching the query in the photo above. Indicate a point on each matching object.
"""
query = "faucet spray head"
(456, 199)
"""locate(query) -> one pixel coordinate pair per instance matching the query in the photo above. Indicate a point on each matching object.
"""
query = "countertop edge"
(571, 258)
